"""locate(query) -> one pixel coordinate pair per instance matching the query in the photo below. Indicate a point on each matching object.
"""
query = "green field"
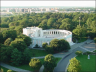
(37, 53)
(87, 65)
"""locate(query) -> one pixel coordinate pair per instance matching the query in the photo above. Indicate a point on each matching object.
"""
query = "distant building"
(22, 10)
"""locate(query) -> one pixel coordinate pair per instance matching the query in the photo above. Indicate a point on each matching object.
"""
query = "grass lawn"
(36, 53)
(27, 67)
(87, 65)
(82, 39)
(4, 69)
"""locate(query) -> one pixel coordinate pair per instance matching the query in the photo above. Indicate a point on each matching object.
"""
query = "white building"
(40, 36)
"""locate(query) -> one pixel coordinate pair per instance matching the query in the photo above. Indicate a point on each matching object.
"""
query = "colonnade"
(54, 33)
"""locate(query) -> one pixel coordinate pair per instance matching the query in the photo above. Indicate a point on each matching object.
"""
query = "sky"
(49, 3)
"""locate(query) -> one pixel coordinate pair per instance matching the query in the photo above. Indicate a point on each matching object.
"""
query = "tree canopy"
(19, 44)
(74, 65)
(26, 39)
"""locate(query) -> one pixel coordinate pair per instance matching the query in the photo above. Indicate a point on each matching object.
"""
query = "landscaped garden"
(87, 65)
(83, 62)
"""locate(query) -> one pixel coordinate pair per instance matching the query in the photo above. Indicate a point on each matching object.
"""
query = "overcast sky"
(49, 3)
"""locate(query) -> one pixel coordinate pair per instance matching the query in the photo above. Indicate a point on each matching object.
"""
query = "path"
(64, 55)
(13, 68)
(64, 61)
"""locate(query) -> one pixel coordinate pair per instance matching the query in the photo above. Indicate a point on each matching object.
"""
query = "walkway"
(13, 68)
(60, 65)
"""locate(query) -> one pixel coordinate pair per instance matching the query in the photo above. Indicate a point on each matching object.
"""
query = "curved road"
(63, 63)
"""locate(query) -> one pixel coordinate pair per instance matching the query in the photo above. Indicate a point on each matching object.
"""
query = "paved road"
(63, 63)
(61, 66)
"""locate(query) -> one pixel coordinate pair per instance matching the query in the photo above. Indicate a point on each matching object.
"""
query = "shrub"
(36, 46)
(49, 49)
(87, 53)
(44, 45)
(78, 53)
(35, 63)
(94, 51)
(2, 70)
(9, 70)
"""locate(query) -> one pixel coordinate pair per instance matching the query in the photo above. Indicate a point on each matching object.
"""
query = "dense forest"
(67, 21)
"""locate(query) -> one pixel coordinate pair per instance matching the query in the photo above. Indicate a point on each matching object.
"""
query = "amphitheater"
(40, 36)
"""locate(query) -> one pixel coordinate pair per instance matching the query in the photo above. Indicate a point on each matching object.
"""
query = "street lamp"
(79, 20)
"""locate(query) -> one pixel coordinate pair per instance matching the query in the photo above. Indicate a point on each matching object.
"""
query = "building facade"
(40, 36)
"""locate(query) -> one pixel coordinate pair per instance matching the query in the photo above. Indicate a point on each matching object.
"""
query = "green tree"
(49, 62)
(26, 39)
(54, 44)
(24, 22)
(89, 22)
(74, 65)
(43, 24)
(26, 56)
(1, 38)
(19, 30)
(9, 34)
(78, 53)
(35, 63)
(44, 45)
(66, 24)
(49, 49)
(16, 57)
(80, 31)
(63, 45)
(8, 41)
(5, 53)
(19, 44)
(50, 22)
